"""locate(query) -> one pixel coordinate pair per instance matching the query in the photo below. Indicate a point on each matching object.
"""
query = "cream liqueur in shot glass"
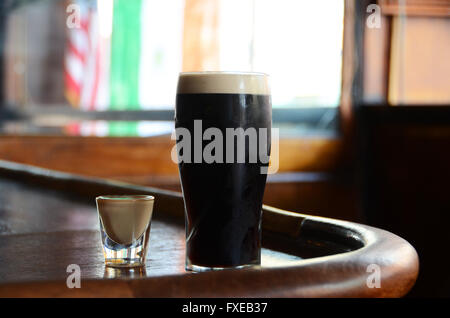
(125, 228)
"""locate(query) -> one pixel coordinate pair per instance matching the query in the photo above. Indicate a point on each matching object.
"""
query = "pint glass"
(223, 131)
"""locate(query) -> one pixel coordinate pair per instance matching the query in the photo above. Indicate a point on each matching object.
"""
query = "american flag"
(84, 69)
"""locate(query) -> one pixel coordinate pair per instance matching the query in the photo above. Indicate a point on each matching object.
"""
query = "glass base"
(196, 268)
(124, 257)
(117, 255)
(123, 262)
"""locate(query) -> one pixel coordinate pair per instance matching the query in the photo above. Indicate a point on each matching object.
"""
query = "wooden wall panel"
(416, 7)
(102, 157)
(406, 155)
(139, 157)
(420, 63)
(147, 161)
(200, 35)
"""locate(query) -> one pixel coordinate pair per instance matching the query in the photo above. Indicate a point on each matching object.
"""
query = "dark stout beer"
(223, 199)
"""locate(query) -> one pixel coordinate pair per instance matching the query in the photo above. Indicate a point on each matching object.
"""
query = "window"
(120, 55)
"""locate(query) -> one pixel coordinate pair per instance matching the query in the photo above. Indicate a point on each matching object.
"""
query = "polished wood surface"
(48, 221)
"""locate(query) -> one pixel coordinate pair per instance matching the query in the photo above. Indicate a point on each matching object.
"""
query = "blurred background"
(360, 92)
(94, 55)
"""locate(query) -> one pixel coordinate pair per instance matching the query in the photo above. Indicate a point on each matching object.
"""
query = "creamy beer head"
(125, 218)
(223, 83)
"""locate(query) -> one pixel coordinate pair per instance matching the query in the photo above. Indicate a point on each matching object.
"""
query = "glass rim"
(237, 73)
(125, 197)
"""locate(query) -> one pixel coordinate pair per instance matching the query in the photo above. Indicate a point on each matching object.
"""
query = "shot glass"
(125, 228)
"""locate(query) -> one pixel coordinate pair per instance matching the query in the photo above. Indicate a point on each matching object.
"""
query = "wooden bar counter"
(48, 221)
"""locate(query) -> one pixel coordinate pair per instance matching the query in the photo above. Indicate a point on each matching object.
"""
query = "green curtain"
(125, 55)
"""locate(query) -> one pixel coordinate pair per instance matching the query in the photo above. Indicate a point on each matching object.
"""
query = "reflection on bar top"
(91, 128)
(145, 128)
